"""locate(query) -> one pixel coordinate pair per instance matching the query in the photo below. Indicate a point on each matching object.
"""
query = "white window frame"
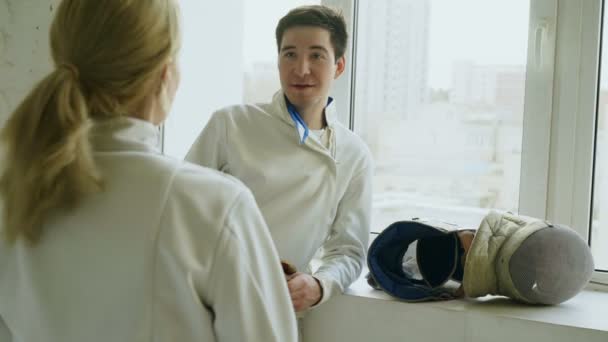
(536, 136)
(343, 87)
(574, 123)
(556, 180)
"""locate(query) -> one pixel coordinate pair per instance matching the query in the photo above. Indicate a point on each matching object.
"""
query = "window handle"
(540, 37)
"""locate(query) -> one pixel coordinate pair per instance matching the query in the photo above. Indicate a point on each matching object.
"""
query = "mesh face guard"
(551, 266)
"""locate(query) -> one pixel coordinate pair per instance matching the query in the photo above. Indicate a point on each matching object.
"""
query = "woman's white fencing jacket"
(169, 251)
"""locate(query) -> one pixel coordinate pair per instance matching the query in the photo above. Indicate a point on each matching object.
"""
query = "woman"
(104, 238)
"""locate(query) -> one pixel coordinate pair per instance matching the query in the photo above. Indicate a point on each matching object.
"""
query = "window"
(439, 99)
(476, 105)
(467, 105)
(575, 195)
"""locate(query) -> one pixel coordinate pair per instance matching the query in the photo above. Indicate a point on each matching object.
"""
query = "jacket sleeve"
(209, 148)
(249, 294)
(345, 249)
(5, 335)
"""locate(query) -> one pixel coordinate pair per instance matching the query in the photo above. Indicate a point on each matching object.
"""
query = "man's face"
(307, 66)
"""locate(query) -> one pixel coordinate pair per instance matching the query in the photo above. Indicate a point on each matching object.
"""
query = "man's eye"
(317, 56)
(289, 54)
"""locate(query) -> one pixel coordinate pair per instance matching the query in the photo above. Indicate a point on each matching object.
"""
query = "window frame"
(561, 95)
(558, 142)
(344, 87)
(538, 109)
(573, 128)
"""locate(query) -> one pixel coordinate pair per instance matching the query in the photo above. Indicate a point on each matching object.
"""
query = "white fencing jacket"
(311, 196)
(169, 251)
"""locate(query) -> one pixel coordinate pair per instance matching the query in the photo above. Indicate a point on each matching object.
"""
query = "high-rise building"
(392, 76)
(499, 86)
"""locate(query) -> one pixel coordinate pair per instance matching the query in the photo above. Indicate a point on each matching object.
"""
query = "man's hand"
(305, 290)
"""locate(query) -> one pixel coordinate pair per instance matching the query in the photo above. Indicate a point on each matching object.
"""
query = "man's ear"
(340, 66)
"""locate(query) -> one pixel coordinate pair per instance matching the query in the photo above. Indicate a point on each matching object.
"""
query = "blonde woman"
(103, 237)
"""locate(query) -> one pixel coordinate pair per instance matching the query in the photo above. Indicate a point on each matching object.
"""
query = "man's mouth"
(302, 86)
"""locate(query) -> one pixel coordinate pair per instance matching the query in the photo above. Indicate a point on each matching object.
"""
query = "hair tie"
(70, 68)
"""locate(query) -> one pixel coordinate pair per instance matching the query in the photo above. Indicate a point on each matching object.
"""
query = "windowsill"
(588, 309)
(363, 313)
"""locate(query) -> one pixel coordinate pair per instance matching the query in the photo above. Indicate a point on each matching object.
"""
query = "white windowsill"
(364, 314)
(589, 309)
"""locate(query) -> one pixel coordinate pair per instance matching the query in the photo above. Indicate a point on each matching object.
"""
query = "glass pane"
(439, 100)
(599, 226)
(228, 57)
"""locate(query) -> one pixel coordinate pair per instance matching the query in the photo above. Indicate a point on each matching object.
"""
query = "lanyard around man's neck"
(301, 126)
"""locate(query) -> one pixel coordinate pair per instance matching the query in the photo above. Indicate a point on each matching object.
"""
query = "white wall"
(211, 65)
(24, 49)
(211, 61)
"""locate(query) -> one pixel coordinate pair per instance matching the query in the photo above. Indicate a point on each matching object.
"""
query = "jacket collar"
(125, 134)
(280, 105)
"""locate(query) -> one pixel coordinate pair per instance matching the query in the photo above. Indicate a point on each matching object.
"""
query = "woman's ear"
(164, 78)
(169, 77)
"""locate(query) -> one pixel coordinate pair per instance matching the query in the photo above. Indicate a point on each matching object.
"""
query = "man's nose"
(302, 67)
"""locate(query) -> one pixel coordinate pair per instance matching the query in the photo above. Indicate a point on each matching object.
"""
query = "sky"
(484, 31)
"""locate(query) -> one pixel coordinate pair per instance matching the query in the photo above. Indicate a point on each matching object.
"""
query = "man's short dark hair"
(316, 16)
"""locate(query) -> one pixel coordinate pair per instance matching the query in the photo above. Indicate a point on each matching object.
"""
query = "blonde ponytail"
(109, 56)
(50, 164)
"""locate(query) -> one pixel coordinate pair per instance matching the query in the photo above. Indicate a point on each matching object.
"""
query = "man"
(310, 175)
